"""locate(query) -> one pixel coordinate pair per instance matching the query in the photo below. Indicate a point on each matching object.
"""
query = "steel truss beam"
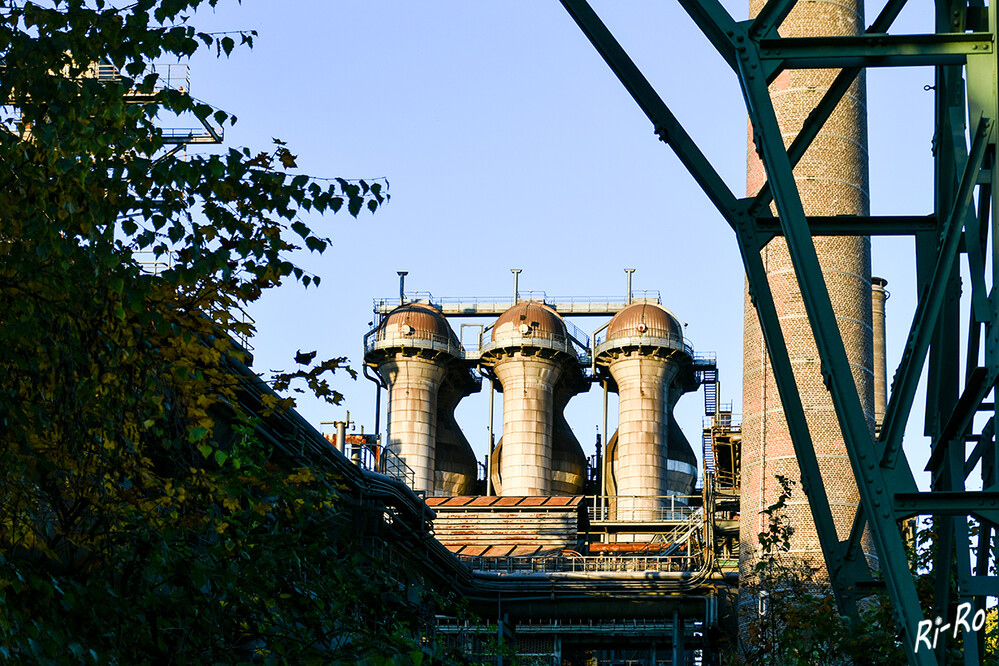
(884, 477)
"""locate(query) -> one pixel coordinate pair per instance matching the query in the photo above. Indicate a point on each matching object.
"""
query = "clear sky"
(508, 143)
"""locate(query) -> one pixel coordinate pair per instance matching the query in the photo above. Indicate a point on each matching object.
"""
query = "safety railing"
(153, 263)
(540, 339)
(395, 467)
(646, 295)
(581, 564)
(385, 304)
(723, 419)
(472, 304)
(653, 335)
(642, 508)
(706, 358)
(580, 339)
(376, 458)
(174, 76)
(379, 338)
(576, 342)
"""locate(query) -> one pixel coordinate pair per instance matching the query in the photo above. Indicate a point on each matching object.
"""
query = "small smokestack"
(878, 297)
(629, 271)
(516, 285)
(341, 439)
(402, 286)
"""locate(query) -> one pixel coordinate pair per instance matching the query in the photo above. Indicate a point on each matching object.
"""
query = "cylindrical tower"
(879, 295)
(412, 349)
(649, 362)
(832, 178)
(530, 353)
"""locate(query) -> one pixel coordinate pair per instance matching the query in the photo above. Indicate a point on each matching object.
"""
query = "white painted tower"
(413, 349)
(532, 355)
(651, 366)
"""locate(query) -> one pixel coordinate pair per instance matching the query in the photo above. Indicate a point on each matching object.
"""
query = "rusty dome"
(529, 319)
(645, 319)
(415, 320)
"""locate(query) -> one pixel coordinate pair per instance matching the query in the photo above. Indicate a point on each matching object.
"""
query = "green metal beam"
(836, 370)
(820, 114)
(979, 384)
(911, 365)
(844, 575)
(881, 469)
(854, 225)
(978, 454)
(873, 50)
(983, 504)
(769, 18)
(667, 127)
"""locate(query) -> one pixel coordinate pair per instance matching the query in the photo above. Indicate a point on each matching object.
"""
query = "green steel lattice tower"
(958, 233)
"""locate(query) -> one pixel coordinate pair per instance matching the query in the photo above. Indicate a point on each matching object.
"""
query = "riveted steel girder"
(963, 223)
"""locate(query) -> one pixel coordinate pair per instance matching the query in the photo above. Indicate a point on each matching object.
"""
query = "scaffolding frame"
(962, 50)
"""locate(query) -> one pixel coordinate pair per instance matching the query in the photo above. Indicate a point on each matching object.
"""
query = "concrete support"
(682, 467)
(528, 422)
(413, 385)
(455, 464)
(568, 459)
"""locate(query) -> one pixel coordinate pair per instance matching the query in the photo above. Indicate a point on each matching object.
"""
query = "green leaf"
(301, 229)
(315, 244)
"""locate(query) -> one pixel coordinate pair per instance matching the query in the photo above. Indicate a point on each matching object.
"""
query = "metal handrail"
(175, 76)
(653, 336)
(535, 339)
(645, 295)
(379, 338)
(727, 420)
(410, 297)
(377, 458)
(705, 358)
(643, 508)
(581, 564)
(532, 295)
(579, 336)
(155, 265)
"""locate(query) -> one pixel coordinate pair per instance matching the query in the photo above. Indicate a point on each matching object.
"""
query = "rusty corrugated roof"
(515, 526)
(533, 502)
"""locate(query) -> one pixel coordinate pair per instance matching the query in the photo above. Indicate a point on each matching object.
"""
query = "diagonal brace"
(925, 317)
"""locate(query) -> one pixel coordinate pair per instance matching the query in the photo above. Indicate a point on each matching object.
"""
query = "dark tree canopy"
(141, 518)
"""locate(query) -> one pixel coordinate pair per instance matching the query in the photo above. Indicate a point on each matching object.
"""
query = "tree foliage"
(795, 621)
(140, 522)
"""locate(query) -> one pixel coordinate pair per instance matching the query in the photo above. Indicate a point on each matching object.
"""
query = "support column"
(640, 466)
(413, 385)
(528, 422)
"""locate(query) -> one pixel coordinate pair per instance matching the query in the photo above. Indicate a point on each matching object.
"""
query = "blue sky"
(508, 143)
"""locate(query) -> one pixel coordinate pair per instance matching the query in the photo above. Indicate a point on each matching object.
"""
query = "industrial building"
(616, 556)
(816, 404)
